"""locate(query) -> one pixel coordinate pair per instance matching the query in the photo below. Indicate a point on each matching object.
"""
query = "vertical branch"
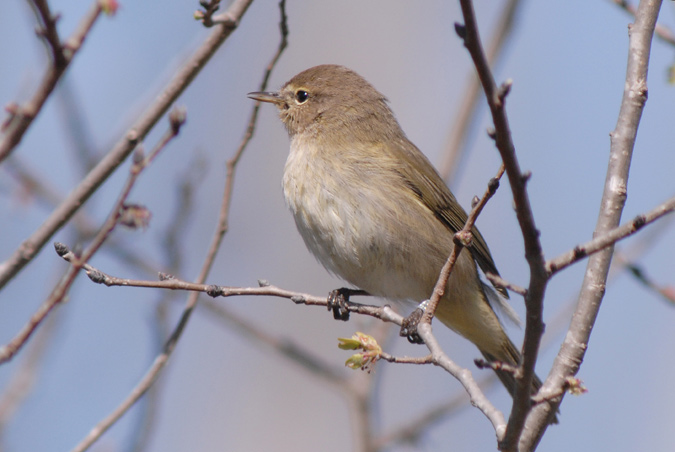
(534, 326)
(622, 142)
(465, 122)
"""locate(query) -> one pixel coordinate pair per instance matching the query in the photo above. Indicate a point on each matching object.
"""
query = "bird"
(372, 209)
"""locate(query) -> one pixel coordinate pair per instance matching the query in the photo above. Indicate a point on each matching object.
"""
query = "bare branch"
(461, 239)
(234, 13)
(22, 116)
(501, 282)
(77, 262)
(33, 244)
(534, 326)
(661, 31)
(407, 359)
(464, 124)
(610, 238)
(464, 376)
(622, 143)
(49, 32)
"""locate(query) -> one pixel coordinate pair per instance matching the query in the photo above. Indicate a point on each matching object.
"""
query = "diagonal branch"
(62, 214)
(224, 28)
(22, 116)
(622, 142)
(609, 238)
(59, 292)
(461, 239)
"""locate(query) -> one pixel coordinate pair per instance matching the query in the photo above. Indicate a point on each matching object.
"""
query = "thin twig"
(407, 359)
(120, 151)
(49, 32)
(661, 31)
(478, 398)
(412, 429)
(461, 239)
(61, 290)
(167, 282)
(501, 282)
(22, 116)
(464, 123)
(233, 16)
(610, 238)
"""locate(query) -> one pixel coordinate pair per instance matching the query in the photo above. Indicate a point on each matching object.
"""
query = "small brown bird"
(374, 211)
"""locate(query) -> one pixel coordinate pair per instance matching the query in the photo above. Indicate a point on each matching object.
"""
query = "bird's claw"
(338, 300)
(409, 327)
(410, 323)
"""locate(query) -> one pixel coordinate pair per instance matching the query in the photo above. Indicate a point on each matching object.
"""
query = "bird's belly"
(365, 243)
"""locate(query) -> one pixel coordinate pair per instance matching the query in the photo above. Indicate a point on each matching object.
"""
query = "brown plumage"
(374, 211)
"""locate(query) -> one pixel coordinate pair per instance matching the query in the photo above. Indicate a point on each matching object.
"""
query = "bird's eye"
(301, 96)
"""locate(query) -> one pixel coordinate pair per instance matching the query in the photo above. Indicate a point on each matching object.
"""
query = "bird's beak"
(273, 98)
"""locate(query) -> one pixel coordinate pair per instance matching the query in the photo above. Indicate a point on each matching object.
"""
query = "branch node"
(639, 222)
(96, 276)
(492, 133)
(206, 16)
(504, 90)
(61, 248)
(579, 252)
(214, 291)
(165, 276)
(138, 156)
(463, 238)
(132, 137)
(263, 283)
(177, 118)
(493, 185)
(460, 30)
(298, 299)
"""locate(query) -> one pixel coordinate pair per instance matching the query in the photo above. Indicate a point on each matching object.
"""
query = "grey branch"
(120, 151)
(622, 143)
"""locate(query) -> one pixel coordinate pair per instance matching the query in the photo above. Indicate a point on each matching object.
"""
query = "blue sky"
(567, 61)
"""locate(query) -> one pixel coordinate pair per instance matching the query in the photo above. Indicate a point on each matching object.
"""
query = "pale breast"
(360, 233)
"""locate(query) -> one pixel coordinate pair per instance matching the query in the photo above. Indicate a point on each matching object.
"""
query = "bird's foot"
(410, 323)
(338, 302)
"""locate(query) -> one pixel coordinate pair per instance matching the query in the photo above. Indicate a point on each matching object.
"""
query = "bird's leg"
(338, 300)
(409, 324)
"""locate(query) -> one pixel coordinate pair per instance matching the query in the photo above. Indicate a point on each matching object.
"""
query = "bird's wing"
(431, 190)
